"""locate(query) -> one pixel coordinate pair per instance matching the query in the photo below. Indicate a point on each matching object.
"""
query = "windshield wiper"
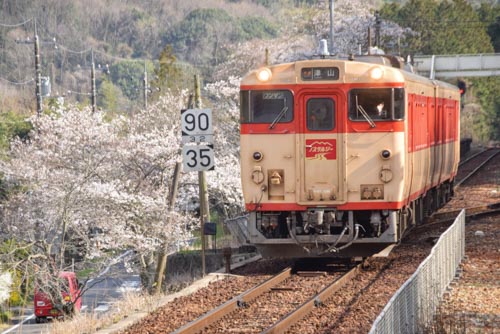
(279, 117)
(364, 113)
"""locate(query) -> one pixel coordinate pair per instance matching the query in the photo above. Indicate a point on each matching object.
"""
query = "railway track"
(466, 171)
(273, 306)
(470, 166)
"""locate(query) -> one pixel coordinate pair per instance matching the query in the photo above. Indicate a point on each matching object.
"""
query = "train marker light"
(462, 87)
(257, 156)
(264, 74)
(385, 154)
(376, 73)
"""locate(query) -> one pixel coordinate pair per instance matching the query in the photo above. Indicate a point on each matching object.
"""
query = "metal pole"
(378, 22)
(38, 75)
(145, 82)
(332, 8)
(92, 79)
(202, 181)
(369, 41)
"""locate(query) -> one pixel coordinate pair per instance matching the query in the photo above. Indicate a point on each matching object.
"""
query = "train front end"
(322, 158)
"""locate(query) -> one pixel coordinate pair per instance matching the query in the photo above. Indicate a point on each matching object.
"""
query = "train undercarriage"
(328, 232)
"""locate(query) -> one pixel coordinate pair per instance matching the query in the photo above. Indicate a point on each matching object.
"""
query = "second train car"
(340, 157)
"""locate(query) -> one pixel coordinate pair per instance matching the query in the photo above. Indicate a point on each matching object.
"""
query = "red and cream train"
(340, 157)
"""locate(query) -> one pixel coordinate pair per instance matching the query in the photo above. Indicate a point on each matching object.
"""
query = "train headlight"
(264, 74)
(376, 73)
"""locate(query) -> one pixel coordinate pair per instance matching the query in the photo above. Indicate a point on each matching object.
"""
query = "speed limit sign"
(196, 126)
(198, 158)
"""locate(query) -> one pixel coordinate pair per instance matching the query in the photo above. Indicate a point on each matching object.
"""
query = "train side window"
(274, 106)
(399, 103)
(320, 114)
(376, 104)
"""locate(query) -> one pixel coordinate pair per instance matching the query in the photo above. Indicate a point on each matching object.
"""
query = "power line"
(17, 83)
(16, 24)
(78, 93)
(60, 46)
(477, 23)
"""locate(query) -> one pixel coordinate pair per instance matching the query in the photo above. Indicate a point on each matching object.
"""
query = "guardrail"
(413, 306)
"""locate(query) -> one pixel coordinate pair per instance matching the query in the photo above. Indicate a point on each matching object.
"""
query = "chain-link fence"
(413, 306)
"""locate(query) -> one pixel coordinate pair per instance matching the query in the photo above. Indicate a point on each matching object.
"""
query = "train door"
(321, 148)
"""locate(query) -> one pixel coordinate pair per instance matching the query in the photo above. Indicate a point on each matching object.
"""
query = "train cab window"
(376, 104)
(269, 106)
(320, 114)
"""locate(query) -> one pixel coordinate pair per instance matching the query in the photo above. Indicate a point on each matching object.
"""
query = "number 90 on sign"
(198, 158)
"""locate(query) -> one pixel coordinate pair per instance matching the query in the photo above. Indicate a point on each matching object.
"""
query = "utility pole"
(378, 22)
(38, 75)
(202, 183)
(162, 258)
(369, 41)
(332, 48)
(92, 80)
(145, 83)
(38, 68)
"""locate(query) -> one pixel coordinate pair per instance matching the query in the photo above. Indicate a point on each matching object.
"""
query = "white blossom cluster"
(5, 286)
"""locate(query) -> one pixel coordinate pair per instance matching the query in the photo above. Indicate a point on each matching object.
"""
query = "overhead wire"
(15, 24)
(16, 82)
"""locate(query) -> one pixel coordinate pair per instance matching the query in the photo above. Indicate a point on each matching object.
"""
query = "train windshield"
(376, 104)
(269, 106)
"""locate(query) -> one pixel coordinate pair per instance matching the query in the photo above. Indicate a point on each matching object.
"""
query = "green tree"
(203, 37)
(128, 76)
(200, 37)
(257, 27)
(108, 96)
(453, 27)
(12, 125)
(421, 16)
(170, 74)
(490, 14)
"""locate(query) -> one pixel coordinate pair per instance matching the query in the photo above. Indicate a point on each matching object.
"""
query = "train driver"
(320, 118)
(381, 111)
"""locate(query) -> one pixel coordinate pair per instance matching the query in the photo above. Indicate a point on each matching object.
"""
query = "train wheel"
(404, 217)
(413, 218)
(419, 211)
(427, 203)
(439, 197)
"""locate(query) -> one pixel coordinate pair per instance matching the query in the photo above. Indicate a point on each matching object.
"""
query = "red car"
(69, 296)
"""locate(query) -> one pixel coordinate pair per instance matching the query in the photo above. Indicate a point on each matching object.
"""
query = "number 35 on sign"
(198, 158)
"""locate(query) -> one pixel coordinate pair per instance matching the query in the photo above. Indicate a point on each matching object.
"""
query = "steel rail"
(494, 154)
(469, 158)
(293, 317)
(211, 317)
(472, 211)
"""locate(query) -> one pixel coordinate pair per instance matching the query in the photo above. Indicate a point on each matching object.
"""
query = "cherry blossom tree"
(82, 185)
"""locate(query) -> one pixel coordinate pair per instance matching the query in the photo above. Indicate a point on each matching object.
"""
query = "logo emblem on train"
(321, 149)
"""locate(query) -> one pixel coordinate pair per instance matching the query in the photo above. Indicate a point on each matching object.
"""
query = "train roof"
(360, 70)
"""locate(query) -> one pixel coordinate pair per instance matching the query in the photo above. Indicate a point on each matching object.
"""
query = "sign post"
(198, 154)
